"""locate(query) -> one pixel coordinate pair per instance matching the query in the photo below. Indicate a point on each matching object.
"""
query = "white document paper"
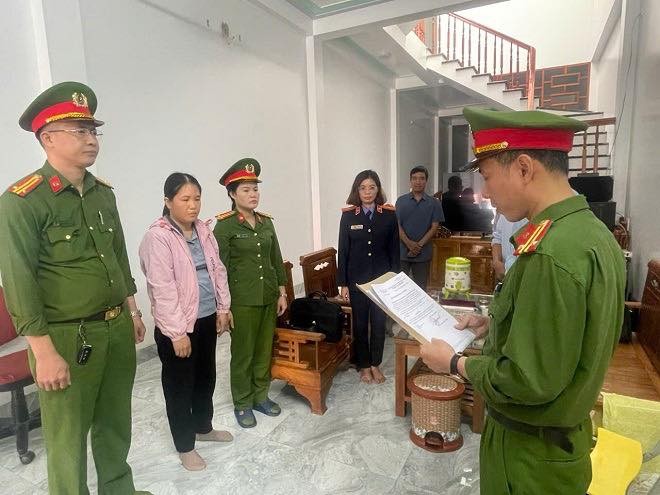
(404, 299)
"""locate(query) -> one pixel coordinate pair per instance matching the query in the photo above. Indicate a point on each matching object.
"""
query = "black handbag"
(316, 314)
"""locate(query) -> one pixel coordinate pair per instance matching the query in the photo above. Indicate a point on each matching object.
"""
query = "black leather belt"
(107, 315)
(554, 435)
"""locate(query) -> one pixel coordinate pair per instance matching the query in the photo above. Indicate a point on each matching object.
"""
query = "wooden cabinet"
(648, 329)
(478, 251)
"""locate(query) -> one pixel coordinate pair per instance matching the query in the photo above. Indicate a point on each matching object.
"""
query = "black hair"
(455, 183)
(174, 183)
(552, 160)
(232, 187)
(354, 195)
(420, 168)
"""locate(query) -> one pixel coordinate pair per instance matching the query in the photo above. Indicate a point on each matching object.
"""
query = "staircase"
(501, 70)
(477, 57)
(591, 151)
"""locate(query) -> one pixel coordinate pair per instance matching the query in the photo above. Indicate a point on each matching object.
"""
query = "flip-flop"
(245, 418)
(268, 407)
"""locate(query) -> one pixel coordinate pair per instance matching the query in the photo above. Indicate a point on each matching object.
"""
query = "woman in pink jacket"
(187, 285)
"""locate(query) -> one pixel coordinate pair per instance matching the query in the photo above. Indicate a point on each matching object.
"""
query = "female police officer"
(368, 248)
(250, 251)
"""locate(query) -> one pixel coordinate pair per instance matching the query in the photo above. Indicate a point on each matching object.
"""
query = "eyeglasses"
(80, 132)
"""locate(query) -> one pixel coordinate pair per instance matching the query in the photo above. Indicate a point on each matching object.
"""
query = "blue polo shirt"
(416, 217)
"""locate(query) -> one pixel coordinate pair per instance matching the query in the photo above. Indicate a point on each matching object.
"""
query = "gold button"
(258, 256)
(91, 228)
(112, 281)
(260, 266)
(67, 237)
(369, 230)
(258, 244)
(255, 233)
(110, 229)
(102, 255)
(261, 278)
(368, 242)
(369, 254)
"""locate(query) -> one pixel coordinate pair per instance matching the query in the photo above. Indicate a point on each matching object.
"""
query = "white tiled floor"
(358, 446)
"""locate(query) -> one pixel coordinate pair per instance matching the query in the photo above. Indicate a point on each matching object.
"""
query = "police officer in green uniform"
(250, 251)
(69, 290)
(555, 320)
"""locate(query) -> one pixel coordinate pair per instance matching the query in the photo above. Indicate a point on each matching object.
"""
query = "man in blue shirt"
(503, 257)
(419, 216)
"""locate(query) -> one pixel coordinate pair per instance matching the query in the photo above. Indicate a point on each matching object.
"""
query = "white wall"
(415, 141)
(176, 97)
(19, 80)
(604, 75)
(354, 128)
(644, 165)
(603, 95)
(562, 31)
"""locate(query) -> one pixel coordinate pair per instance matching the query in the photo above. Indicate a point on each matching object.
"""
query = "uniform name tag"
(242, 236)
(357, 227)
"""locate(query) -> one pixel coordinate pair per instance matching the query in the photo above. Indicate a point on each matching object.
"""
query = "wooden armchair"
(304, 359)
(319, 271)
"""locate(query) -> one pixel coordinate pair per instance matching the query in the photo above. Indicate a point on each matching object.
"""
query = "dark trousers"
(188, 383)
(367, 345)
(417, 270)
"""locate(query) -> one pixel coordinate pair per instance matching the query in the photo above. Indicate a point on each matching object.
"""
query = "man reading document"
(554, 321)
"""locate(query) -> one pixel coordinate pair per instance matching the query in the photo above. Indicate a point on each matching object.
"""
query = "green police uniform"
(554, 326)
(255, 271)
(64, 260)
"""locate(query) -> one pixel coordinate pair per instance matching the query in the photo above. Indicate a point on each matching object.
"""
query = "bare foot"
(377, 374)
(366, 376)
(215, 436)
(192, 461)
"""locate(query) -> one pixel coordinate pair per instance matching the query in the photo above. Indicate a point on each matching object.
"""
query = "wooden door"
(648, 330)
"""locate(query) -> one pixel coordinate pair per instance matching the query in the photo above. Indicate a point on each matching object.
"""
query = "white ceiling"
(320, 8)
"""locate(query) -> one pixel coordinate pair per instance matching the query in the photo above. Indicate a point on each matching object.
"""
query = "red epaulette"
(351, 208)
(266, 215)
(531, 236)
(385, 206)
(26, 185)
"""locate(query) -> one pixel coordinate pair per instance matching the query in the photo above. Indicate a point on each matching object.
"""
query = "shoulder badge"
(529, 239)
(103, 182)
(26, 185)
(385, 206)
(350, 208)
(266, 215)
(225, 215)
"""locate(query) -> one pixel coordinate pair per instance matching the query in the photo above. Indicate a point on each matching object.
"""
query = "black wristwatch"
(453, 364)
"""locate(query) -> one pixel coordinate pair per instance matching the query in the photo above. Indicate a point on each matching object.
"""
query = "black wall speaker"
(605, 211)
(597, 188)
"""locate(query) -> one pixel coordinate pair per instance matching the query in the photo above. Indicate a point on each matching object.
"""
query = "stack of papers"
(421, 316)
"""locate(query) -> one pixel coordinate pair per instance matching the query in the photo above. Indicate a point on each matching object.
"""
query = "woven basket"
(436, 412)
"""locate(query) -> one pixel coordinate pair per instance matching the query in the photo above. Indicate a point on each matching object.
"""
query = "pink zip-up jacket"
(168, 265)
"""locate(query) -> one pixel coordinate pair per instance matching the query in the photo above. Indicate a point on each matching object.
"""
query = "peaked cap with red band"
(65, 101)
(244, 170)
(496, 131)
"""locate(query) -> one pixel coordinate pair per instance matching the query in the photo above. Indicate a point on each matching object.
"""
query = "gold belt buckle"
(112, 313)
